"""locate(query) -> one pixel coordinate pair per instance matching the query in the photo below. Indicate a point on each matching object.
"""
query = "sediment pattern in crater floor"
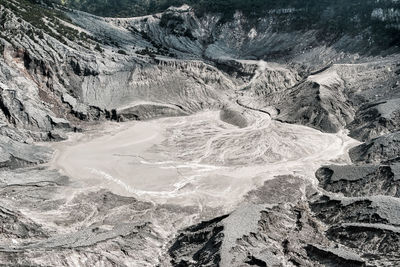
(198, 159)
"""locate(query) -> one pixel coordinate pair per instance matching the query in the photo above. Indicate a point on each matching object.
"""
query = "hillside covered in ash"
(185, 133)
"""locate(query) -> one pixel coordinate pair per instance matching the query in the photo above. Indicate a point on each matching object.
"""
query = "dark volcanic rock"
(318, 104)
(374, 120)
(334, 257)
(338, 210)
(200, 243)
(383, 148)
(256, 235)
(361, 180)
(282, 189)
(368, 238)
(233, 117)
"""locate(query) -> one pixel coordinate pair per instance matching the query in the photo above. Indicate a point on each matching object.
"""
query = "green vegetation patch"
(44, 19)
(331, 18)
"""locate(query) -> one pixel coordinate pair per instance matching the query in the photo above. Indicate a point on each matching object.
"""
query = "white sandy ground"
(196, 160)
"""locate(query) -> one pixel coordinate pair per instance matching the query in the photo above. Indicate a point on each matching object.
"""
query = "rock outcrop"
(383, 148)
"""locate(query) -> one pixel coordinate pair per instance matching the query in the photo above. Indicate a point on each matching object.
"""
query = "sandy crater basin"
(196, 160)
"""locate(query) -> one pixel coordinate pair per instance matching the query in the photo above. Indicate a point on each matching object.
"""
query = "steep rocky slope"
(64, 71)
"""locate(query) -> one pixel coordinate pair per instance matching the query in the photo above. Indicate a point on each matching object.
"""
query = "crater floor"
(198, 159)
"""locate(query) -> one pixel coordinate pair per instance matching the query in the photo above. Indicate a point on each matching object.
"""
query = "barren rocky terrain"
(179, 139)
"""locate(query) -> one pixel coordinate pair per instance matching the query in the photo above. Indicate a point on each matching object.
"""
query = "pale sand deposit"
(196, 160)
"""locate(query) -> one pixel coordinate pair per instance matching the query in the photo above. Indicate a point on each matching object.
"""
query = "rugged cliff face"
(64, 70)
